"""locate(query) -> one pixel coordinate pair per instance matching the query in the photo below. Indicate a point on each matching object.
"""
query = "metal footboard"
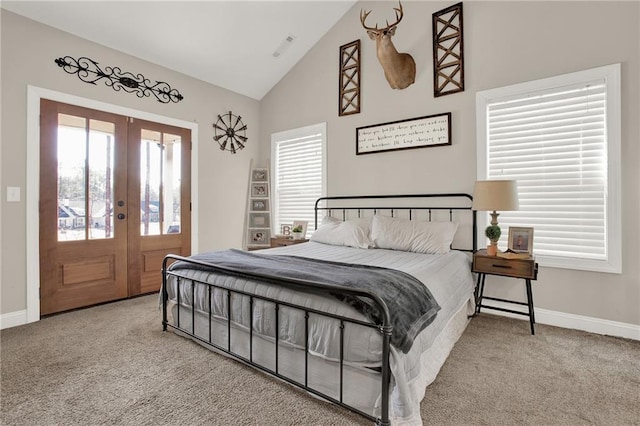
(384, 326)
(428, 206)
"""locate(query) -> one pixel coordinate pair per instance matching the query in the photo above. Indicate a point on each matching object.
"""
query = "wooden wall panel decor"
(448, 58)
(349, 78)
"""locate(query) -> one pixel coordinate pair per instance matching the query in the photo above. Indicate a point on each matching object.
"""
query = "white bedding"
(447, 276)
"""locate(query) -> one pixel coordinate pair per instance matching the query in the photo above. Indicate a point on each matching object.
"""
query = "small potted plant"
(297, 232)
(493, 234)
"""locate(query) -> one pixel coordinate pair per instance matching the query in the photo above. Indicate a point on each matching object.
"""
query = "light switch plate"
(13, 194)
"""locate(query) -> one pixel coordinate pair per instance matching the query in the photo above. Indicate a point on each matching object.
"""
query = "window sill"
(578, 264)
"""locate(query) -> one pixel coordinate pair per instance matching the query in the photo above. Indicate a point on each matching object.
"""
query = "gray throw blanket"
(411, 305)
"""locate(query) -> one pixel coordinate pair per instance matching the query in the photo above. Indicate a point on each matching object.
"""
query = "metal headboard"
(428, 203)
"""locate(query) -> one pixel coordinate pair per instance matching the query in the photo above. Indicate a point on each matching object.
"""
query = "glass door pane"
(159, 183)
(72, 153)
(85, 178)
(101, 196)
(171, 184)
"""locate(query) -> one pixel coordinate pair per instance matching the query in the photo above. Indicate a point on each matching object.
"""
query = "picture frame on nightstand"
(301, 223)
(521, 239)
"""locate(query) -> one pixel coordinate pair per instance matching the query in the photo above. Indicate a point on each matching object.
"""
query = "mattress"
(447, 276)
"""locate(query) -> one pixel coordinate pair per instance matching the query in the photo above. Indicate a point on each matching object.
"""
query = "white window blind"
(299, 174)
(554, 140)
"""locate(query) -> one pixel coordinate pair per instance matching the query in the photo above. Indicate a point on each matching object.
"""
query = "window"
(560, 139)
(299, 174)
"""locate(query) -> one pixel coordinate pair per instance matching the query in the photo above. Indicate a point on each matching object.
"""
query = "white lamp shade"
(492, 195)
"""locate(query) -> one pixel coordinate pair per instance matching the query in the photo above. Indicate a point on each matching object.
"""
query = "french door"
(114, 200)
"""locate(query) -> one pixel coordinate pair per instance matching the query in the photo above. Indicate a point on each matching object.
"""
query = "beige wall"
(504, 43)
(28, 53)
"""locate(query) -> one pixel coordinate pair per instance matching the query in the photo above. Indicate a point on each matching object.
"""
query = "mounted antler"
(363, 17)
(399, 15)
(399, 68)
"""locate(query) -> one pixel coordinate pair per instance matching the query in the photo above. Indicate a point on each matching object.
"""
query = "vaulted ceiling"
(227, 43)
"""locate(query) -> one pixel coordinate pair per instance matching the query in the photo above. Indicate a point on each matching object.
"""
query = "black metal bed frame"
(383, 326)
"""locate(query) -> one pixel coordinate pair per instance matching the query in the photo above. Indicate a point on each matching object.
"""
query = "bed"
(345, 333)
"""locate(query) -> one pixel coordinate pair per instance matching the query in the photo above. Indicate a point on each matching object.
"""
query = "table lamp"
(493, 195)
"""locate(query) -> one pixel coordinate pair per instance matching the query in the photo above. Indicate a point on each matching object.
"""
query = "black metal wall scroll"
(420, 132)
(88, 71)
(448, 58)
(350, 78)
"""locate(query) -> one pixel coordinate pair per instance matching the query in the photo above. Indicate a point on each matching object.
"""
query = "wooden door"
(83, 187)
(159, 200)
(114, 200)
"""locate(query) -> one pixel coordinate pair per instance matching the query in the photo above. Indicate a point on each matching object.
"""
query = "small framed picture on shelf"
(259, 190)
(521, 240)
(259, 205)
(299, 227)
(259, 237)
(259, 175)
(259, 220)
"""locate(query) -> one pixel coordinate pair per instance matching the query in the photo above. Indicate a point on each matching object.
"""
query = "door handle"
(121, 216)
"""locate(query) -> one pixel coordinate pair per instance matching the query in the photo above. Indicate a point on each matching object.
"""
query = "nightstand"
(281, 242)
(526, 269)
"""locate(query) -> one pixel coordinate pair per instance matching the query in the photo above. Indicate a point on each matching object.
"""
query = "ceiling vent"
(284, 45)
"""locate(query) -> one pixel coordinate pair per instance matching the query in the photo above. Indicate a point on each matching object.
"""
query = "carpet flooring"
(113, 365)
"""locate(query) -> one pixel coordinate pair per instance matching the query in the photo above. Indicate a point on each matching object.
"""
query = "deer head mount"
(399, 68)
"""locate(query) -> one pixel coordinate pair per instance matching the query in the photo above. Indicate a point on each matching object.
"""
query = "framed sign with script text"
(420, 132)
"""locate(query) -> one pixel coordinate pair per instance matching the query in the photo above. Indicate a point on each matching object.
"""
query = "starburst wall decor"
(230, 132)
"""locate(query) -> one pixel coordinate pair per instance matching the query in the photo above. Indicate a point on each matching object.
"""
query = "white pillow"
(412, 235)
(352, 233)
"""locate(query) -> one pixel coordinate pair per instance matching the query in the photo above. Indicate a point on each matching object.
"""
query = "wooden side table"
(526, 269)
(281, 242)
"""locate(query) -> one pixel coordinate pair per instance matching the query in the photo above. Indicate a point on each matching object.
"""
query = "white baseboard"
(13, 319)
(574, 322)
